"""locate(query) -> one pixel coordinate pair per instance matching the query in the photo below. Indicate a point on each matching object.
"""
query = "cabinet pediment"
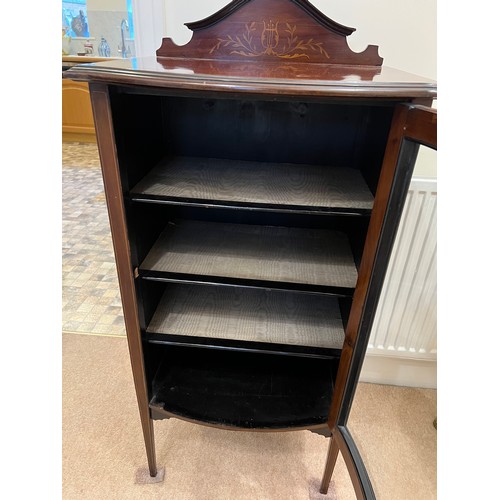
(271, 30)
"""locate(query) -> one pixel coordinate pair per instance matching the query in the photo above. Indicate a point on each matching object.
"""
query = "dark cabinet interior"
(247, 220)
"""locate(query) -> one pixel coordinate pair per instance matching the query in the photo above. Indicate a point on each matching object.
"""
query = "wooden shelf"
(197, 314)
(278, 186)
(254, 254)
(243, 390)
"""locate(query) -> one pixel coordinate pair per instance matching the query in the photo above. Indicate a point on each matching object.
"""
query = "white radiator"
(404, 327)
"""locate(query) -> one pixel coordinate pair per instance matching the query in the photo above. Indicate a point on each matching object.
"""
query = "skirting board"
(79, 137)
(401, 371)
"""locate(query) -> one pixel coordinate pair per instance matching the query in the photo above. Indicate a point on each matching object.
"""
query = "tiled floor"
(90, 295)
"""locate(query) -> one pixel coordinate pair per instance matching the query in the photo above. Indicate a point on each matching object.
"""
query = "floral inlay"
(271, 43)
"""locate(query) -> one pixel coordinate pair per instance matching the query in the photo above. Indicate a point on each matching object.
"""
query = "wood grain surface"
(249, 315)
(271, 253)
(277, 30)
(211, 179)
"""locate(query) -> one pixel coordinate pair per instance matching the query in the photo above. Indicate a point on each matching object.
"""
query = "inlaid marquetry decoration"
(270, 30)
(270, 41)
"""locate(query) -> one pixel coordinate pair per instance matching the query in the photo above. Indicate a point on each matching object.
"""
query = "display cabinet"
(255, 179)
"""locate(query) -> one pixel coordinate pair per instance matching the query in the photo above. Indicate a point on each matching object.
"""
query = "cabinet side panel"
(378, 125)
(139, 134)
(114, 198)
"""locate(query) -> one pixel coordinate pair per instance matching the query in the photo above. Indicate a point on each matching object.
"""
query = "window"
(74, 18)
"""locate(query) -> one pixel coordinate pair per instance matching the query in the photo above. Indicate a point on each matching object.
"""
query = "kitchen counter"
(72, 60)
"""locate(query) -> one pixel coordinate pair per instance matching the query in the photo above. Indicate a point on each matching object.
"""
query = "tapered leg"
(149, 441)
(143, 403)
(333, 452)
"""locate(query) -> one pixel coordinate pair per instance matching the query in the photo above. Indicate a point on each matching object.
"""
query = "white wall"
(179, 12)
(149, 25)
(107, 5)
(405, 30)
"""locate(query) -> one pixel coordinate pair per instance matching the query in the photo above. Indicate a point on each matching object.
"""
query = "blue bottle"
(104, 50)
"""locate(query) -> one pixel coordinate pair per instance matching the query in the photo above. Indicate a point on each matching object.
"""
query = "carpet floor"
(103, 447)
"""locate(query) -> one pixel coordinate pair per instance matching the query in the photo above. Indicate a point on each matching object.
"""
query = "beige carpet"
(103, 448)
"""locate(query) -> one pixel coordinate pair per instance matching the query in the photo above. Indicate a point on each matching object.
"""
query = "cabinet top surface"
(257, 76)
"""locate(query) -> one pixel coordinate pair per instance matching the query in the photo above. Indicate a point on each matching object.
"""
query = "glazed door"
(412, 126)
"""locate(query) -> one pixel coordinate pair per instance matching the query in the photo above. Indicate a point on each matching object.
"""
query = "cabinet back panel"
(269, 131)
(155, 354)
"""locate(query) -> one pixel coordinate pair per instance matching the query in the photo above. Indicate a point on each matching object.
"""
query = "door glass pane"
(394, 408)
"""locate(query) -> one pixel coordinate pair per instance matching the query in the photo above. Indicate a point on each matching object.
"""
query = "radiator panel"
(405, 321)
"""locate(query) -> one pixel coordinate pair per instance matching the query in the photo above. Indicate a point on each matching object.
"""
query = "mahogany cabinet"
(255, 179)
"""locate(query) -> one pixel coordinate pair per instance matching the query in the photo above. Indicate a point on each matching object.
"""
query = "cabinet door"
(412, 126)
(77, 118)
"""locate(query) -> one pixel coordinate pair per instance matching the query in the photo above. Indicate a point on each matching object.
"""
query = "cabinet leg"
(333, 452)
(149, 441)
